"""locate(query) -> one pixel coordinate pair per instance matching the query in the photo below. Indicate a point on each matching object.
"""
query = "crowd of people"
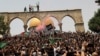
(58, 44)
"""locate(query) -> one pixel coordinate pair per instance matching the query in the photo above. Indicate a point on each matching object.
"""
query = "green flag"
(52, 40)
(3, 44)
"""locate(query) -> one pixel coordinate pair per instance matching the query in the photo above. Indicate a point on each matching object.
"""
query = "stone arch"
(18, 28)
(14, 19)
(49, 15)
(55, 22)
(70, 24)
(70, 17)
(77, 18)
(33, 17)
(10, 19)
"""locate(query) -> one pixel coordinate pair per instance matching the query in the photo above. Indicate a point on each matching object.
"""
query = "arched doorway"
(16, 26)
(68, 24)
(55, 23)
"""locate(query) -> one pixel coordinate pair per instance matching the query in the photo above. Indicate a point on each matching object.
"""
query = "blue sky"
(88, 8)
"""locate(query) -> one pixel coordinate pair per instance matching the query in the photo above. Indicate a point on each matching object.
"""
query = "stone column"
(8, 31)
(79, 27)
(25, 28)
(60, 26)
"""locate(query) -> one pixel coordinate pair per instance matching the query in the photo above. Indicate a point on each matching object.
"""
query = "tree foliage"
(3, 25)
(94, 23)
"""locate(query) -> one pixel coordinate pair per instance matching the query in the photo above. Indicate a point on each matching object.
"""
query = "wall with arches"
(75, 14)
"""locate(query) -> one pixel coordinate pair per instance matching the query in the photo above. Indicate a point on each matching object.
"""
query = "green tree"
(3, 25)
(94, 23)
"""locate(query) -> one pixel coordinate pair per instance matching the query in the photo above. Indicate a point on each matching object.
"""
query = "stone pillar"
(8, 31)
(60, 26)
(79, 27)
(8, 25)
(25, 28)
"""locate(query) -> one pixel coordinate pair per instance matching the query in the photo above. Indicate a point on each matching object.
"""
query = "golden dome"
(34, 22)
(48, 21)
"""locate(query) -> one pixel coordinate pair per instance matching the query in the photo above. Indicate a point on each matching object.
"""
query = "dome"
(48, 21)
(34, 22)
